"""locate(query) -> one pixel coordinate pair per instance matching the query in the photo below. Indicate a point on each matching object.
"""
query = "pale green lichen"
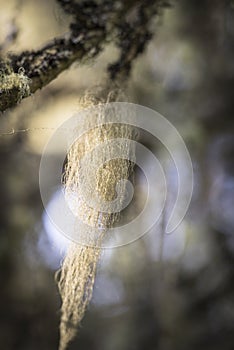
(18, 81)
(13, 86)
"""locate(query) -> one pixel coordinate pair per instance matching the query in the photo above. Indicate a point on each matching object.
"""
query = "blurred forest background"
(181, 297)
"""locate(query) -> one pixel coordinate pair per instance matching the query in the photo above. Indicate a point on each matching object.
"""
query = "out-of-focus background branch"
(186, 72)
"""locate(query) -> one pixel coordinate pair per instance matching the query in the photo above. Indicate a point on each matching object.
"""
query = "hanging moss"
(77, 275)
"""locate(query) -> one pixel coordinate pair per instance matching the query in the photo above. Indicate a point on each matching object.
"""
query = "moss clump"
(13, 86)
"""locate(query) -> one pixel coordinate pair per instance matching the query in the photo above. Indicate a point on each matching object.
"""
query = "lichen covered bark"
(93, 24)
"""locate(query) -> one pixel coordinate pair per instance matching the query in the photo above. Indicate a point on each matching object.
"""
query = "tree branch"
(94, 23)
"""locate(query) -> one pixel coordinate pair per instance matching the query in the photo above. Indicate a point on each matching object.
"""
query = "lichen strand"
(77, 274)
(75, 282)
(15, 85)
